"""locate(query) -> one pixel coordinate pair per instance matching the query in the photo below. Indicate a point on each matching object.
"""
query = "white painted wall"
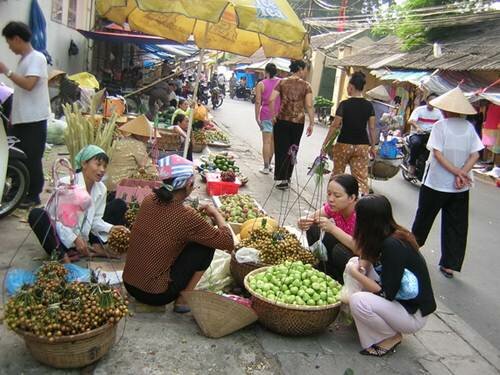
(58, 35)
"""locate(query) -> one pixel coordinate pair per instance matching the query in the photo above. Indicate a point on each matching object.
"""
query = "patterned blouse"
(158, 237)
(293, 93)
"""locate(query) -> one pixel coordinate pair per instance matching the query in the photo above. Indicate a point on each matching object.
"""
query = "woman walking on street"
(454, 146)
(263, 114)
(353, 144)
(296, 97)
(389, 305)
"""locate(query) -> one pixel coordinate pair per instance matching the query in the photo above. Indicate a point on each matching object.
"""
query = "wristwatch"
(9, 73)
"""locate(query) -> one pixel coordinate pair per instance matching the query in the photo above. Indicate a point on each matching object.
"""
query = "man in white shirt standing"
(30, 105)
(421, 120)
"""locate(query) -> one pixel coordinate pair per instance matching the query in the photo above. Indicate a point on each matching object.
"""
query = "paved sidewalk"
(172, 344)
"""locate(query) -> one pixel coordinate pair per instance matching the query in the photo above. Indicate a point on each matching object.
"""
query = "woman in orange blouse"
(171, 245)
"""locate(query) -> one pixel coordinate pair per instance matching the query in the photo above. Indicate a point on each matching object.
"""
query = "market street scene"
(249, 187)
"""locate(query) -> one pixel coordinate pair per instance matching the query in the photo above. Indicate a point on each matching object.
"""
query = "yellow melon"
(261, 222)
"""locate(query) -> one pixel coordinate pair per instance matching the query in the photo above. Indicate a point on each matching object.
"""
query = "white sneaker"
(264, 170)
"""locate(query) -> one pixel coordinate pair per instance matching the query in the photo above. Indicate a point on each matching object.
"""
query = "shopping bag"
(68, 201)
(319, 249)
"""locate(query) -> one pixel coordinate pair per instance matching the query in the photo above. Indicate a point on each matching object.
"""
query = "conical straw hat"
(454, 101)
(139, 126)
(379, 93)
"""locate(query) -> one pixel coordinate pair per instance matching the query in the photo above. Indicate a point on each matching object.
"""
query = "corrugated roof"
(477, 47)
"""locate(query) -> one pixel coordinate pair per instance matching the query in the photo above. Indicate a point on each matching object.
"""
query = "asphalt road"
(472, 294)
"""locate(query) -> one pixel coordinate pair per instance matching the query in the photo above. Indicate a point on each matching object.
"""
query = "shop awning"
(439, 82)
(125, 37)
(281, 64)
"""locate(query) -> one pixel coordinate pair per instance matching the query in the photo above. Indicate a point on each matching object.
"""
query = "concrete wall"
(59, 35)
(316, 71)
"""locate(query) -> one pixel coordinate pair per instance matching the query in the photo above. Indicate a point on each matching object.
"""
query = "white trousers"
(378, 319)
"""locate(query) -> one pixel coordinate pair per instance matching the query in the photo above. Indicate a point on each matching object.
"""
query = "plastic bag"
(55, 131)
(68, 201)
(17, 278)
(247, 255)
(77, 273)
(351, 285)
(319, 249)
(218, 275)
(389, 149)
(409, 286)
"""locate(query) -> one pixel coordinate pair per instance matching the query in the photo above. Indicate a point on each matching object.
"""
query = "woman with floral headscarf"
(94, 224)
(171, 244)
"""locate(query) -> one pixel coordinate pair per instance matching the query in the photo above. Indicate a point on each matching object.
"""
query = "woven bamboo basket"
(291, 320)
(71, 351)
(198, 147)
(240, 270)
(384, 169)
(216, 315)
(169, 141)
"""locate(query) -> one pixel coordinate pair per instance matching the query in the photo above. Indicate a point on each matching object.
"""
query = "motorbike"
(203, 93)
(420, 163)
(14, 176)
(243, 92)
(216, 97)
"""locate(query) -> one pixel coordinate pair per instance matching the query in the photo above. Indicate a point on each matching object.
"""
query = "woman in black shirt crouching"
(387, 307)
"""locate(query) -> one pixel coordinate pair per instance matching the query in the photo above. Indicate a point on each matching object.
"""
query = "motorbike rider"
(421, 121)
(221, 80)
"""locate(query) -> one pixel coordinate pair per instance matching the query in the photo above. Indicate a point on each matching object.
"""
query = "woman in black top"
(353, 143)
(387, 250)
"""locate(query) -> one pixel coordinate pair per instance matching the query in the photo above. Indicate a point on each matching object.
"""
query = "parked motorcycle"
(420, 163)
(14, 179)
(216, 97)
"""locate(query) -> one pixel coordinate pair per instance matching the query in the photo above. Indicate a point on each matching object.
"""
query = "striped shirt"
(158, 237)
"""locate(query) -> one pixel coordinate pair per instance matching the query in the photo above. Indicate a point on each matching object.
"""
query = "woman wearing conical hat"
(454, 146)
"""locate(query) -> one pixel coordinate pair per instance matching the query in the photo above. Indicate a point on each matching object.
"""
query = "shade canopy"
(236, 26)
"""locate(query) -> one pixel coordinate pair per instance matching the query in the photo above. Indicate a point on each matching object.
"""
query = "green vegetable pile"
(216, 136)
(296, 283)
(239, 208)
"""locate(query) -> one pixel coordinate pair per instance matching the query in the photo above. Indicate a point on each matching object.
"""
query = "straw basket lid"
(216, 315)
(139, 126)
(379, 93)
(454, 101)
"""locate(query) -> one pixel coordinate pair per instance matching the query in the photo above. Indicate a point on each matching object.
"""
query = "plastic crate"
(130, 189)
(217, 187)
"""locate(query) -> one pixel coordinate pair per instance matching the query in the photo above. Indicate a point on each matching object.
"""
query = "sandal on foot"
(447, 274)
(378, 351)
(181, 309)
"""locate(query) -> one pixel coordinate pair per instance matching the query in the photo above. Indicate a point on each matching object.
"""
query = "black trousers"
(417, 146)
(338, 254)
(454, 209)
(45, 231)
(285, 134)
(33, 136)
(194, 258)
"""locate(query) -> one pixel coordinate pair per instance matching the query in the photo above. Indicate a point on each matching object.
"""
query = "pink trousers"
(378, 319)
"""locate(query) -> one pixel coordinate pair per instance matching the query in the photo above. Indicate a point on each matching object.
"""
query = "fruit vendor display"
(266, 223)
(214, 136)
(119, 239)
(131, 213)
(143, 174)
(296, 283)
(238, 208)
(228, 176)
(225, 163)
(278, 246)
(52, 307)
(199, 136)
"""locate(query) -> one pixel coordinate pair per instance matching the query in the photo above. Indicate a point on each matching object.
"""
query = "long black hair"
(271, 70)
(374, 223)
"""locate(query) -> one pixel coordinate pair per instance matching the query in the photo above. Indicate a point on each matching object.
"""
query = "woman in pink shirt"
(263, 114)
(337, 218)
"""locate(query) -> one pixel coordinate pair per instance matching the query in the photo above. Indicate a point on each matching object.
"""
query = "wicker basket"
(216, 315)
(71, 351)
(291, 320)
(198, 147)
(383, 169)
(169, 141)
(240, 270)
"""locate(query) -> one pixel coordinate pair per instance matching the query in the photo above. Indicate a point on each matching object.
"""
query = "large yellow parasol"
(237, 26)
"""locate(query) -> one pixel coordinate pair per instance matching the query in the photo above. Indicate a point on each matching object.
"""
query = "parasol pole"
(187, 142)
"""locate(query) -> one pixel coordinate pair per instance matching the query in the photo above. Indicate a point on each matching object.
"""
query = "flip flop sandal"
(447, 274)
